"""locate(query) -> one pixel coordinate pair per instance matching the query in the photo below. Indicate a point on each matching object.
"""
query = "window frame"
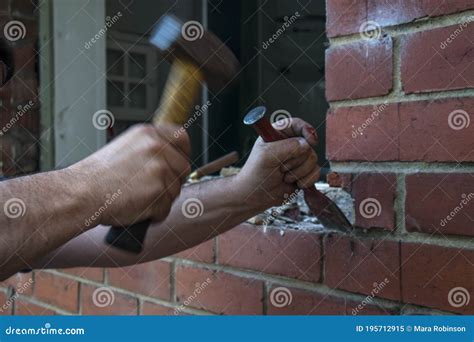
(128, 44)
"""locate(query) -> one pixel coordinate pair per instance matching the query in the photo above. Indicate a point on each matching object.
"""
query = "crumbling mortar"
(394, 97)
(396, 72)
(399, 204)
(173, 282)
(401, 167)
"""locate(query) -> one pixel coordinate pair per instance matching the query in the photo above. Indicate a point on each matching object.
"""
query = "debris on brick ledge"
(294, 213)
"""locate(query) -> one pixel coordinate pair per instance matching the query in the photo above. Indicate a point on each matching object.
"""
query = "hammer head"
(192, 42)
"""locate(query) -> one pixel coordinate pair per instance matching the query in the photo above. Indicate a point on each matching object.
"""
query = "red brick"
(154, 309)
(427, 134)
(339, 180)
(374, 195)
(440, 7)
(201, 253)
(426, 66)
(7, 310)
(223, 294)
(346, 16)
(358, 70)
(291, 301)
(24, 308)
(407, 131)
(57, 291)
(387, 13)
(360, 266)
(150, 279)
(104, 301)
(363, 133)
(22, 283)
(296, 254)
(432, 198)
(430, 272)
(95, 274)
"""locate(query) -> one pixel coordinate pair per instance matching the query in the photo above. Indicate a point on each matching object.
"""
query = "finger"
(176, 161)
(296, 162)
(300, 172)
(176, 136)
(281, 151)
(163, 203)
(299, 128)
(309, 180)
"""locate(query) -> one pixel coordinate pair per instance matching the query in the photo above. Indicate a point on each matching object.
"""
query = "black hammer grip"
(128, 238)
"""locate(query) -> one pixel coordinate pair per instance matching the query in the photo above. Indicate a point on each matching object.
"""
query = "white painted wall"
(79, 74)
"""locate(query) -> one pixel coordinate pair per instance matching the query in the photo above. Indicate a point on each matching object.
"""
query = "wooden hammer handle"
(180, 93)
(178, 100)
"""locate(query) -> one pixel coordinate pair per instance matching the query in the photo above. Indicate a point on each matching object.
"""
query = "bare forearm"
(41, 213)
(224, 205)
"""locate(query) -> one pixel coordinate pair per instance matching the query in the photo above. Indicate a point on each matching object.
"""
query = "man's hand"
(137, 176)
(276, 169)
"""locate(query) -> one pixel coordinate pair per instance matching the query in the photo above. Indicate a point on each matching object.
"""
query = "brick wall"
(19, 114)
(398, 137)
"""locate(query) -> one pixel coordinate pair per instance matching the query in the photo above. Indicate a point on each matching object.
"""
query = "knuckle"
(293, 145)
(144, 129)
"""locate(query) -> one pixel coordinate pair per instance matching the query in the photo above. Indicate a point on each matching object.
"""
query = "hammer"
(197, 56)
